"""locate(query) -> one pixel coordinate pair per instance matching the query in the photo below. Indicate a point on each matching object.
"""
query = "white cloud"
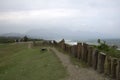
(47, 14)
(37, 14)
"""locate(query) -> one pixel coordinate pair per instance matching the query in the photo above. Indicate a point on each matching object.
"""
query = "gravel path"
(76, 73)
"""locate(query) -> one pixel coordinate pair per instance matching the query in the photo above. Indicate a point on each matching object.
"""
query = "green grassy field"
(17, 62)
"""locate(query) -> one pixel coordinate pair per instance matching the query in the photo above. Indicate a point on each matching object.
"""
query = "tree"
(99, 41)
(25, 38)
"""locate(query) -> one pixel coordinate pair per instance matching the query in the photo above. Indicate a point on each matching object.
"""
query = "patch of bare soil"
(77, 73)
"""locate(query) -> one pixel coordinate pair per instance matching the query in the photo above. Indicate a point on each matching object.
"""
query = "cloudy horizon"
(98, 16)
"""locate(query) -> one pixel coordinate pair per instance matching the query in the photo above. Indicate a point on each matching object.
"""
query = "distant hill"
(63, 33)
(12, 35)
(60, 33)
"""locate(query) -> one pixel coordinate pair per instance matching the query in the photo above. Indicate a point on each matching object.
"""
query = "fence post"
(74, 50)
(101, 62)
(90, 51)
(64, 46)
(95, 59)
(55, 43)
(79, 50)
(118, 71)
(85, 52)
(108, 65)
(66, 49)
(69, 48)
(113, 67)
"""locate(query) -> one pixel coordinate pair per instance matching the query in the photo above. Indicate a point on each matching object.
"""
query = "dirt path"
(76, 73)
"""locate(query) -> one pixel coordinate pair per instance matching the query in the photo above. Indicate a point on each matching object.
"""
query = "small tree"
(25, 38)
(99, 41)
(103, 45)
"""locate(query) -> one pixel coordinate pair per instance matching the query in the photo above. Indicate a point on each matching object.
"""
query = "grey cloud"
(100, 16)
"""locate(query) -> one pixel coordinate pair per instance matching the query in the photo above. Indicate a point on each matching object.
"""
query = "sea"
(109, 42)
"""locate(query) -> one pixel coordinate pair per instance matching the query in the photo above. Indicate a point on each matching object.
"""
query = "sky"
(99, 16)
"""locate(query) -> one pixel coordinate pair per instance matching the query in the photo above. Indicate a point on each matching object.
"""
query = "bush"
(104, 47)
(6, 40)
(112, 51)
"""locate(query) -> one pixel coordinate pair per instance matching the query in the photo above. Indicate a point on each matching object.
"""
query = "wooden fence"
(99, 61)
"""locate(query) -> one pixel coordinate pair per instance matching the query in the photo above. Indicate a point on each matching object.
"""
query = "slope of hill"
(63, 33)
(12, 35)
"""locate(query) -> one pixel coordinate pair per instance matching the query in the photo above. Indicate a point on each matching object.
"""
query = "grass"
(17, 62)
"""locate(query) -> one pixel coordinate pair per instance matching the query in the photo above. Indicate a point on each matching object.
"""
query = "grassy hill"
(17, 62)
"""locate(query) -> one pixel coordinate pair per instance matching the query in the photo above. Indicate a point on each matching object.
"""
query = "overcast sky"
(101, 16)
